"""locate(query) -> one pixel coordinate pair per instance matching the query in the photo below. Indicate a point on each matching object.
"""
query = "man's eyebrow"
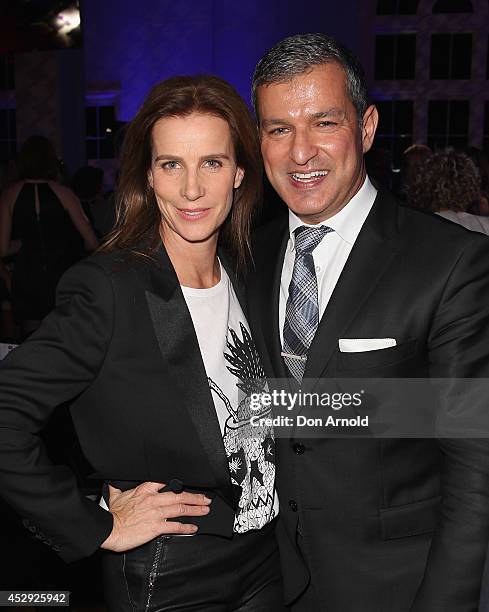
(201, 158)
(330, 112)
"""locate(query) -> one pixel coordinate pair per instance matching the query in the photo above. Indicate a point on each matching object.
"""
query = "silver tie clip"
(290, 356)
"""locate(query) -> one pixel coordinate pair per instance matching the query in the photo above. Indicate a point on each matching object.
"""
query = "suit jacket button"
(293, 505)
(299, 448)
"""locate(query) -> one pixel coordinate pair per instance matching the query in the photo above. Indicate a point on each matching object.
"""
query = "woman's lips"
(192, 214)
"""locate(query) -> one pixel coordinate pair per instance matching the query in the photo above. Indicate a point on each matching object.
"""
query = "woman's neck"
(195, 263)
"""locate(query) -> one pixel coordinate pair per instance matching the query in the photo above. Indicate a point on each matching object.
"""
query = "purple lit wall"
(131, 45)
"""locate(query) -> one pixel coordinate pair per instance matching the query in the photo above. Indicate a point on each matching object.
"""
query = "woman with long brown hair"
(150, 338)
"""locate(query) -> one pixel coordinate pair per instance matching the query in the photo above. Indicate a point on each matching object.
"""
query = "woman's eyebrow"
(178, 158)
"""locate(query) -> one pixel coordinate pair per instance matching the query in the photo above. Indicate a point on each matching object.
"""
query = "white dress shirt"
(332, 252)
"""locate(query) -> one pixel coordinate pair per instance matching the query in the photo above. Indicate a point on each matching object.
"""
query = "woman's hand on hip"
(141, 514)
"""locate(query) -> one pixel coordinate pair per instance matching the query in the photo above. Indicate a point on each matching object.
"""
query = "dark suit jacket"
(122, 343)
(386, 525)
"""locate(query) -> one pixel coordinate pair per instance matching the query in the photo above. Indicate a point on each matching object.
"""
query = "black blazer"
(386, 525)
(122, 343)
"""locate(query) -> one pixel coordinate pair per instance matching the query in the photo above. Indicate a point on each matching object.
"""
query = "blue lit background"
(131, 45)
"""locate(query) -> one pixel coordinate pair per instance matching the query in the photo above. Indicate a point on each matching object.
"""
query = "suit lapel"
(371, 254)
(180, 350)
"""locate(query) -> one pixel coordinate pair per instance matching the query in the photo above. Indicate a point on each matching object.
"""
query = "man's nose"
(302, 149)
(192, 188)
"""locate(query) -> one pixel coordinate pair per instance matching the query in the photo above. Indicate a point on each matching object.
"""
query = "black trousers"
(198, 573)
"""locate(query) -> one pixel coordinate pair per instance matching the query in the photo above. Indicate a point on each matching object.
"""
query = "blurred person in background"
(480, 159)
(447, 183)
(43, 224)
(88, 183)
(412, 158)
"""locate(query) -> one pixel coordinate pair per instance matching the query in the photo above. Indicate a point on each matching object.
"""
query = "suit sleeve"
(56, 364)
(459, 349)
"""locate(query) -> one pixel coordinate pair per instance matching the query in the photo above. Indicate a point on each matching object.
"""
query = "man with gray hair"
(351, 285)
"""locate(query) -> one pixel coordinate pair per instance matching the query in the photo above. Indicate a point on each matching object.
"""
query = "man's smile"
(308, 179)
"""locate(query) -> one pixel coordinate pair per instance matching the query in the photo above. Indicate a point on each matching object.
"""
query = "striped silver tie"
(302, 310)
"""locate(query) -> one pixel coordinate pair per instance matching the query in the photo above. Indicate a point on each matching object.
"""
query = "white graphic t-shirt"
(234, 372)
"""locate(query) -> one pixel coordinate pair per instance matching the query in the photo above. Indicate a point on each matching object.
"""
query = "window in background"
(8, 134)
(451, 56)
(100, 128)
(448, 123)
(395, 129)
(453, 6)
(397, 7)
(7, 73)
(395, 56)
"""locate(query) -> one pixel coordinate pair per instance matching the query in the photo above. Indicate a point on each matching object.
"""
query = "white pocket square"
(361, 345)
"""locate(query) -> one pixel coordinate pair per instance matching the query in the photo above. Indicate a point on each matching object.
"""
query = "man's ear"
(370, 121)
(238, 177)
